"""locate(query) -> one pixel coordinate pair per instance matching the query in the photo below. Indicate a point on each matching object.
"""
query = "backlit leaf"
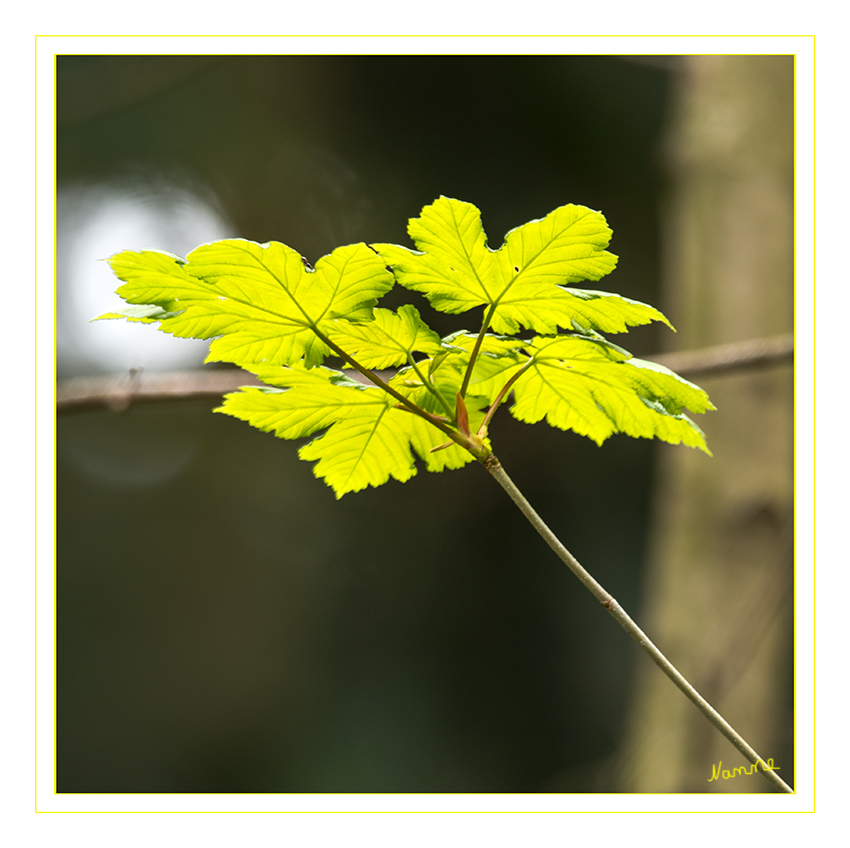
(368, 439)
(523, 281)
(596, 389)
(389, 340)
(260, 304)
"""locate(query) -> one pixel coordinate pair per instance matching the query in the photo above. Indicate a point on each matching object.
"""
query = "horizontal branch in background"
(729, 357)
(118, 392)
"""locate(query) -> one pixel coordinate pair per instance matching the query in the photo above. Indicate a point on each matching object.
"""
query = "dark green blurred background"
(224, 624)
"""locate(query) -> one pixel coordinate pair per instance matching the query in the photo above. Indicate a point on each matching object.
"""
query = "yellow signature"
(717, 772)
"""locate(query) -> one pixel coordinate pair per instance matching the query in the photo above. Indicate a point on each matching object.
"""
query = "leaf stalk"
(467, 376)
(470, 442)
(502, 395)
(374, 378)
(429, 385)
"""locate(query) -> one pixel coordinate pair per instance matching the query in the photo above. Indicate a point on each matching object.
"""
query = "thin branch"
(729, 357)
(626, 622)
(119, 392)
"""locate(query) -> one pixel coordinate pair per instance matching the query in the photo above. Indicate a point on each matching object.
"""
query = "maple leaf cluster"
(266, 310)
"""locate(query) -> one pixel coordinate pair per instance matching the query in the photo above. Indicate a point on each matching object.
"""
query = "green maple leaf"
(596, 389)
(521, 283)
(260, 303)
(390, 340)
(367, 438)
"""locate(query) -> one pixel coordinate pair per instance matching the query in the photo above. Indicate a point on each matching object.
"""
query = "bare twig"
(729, 357)
(629, 625)
(120, 391)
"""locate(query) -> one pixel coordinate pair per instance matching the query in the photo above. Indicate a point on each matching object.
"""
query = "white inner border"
(48, 46)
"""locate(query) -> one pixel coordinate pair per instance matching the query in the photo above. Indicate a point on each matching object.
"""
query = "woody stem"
(628, 624)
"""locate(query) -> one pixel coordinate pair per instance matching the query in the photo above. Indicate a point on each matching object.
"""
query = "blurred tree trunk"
(719, 584)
